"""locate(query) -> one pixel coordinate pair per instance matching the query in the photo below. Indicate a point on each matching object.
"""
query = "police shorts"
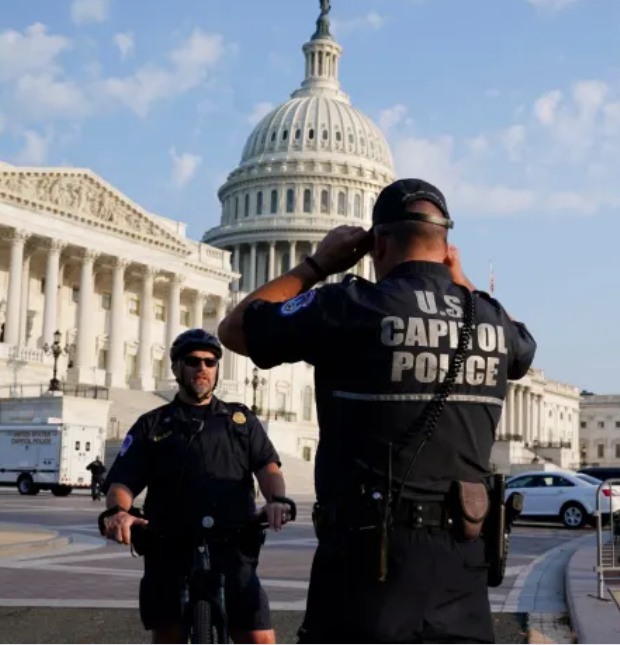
(436, 592)
(247, 605)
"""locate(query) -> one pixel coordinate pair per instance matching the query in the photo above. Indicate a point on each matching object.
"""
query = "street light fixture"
(255, 382)
(56, 351)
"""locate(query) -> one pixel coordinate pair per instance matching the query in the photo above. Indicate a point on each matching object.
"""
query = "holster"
(470, 506)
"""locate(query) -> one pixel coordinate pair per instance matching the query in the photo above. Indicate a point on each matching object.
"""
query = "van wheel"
(26, 486)
(61, 491)
(573, 515)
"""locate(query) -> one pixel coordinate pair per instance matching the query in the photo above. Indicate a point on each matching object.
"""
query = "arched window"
(371, 205)
(339, 136)
(297, 134)
(358, 206)
(273, 136)
(307, 200)
(274, 201)
(236, 207)
(290, 201)
(259, 203)
(325, 135)
(342, 204)
(285, 135)
(284, 262)
(247, 205)
(324, 202)
(311, 134)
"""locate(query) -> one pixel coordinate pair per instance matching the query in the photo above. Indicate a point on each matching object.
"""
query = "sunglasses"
(196, 361)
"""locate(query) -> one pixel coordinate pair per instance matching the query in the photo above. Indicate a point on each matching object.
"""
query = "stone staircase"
(127, 406)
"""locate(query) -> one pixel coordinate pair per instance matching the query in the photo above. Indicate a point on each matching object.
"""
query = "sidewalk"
(593, 620)
(21, 539)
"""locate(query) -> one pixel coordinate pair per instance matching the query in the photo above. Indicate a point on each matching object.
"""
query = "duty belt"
(416, 514)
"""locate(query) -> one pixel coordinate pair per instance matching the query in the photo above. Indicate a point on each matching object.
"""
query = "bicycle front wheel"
(204, 628)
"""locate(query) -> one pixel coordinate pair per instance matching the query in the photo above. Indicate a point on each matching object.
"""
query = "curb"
(573, 614)
(56, 541)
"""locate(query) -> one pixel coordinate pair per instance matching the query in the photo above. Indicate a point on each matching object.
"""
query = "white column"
(272, 260)
(146, 380)
(52, 277)
(510, 429)
(115, 376)
(292, 254)
(541, 418)
(518, 430)
(252, 285)
(23, 314)
(313, 246)
(85, 351)
(172, 322)
(221, 310)
(11, 328)
(236, 286)
(532, 417)
(198, 311)
(526, 413)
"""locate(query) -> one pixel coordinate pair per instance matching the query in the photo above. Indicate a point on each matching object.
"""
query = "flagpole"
(491, 278)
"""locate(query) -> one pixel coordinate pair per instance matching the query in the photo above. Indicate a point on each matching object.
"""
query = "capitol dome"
(321, 126)
(310, 165)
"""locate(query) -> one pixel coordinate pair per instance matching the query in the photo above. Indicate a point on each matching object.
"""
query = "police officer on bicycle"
(401, 471)
(196, 456)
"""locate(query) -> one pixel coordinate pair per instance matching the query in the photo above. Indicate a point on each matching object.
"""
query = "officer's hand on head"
(342, 248)
(453, 262)
(277, 514)
(118, 527)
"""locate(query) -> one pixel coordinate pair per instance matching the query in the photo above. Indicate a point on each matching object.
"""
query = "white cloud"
(35, 150)
(47, 97)
(392, 116)
(184, 167)
(551, 5)
(190, 65)
(125, 43)
(31, 51)
(479, 144)
(260, 111)
(89, 11)
(545, 107)
(371, 20)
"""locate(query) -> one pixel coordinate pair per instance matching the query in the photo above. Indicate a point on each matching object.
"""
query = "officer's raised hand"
(453, 262)
(342, 248)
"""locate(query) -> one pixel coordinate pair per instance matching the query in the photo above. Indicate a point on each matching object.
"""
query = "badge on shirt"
(239, 417)
(125, 447)
(294, 305)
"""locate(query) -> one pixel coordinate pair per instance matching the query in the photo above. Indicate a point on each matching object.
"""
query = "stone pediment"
(83, 197)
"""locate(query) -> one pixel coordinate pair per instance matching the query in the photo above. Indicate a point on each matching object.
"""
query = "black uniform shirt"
(380, 352)
(194, 461)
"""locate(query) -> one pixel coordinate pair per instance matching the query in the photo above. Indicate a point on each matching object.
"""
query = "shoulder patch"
(301, 301)
(239, 417)
(126, 444)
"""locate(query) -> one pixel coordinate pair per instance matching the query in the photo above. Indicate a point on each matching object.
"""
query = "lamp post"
(56, 351)
(255, 382)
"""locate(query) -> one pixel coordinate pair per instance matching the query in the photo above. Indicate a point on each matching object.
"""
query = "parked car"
(601, 473)
(565, 495)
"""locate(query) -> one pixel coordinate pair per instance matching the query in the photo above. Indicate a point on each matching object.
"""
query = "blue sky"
(511, 106)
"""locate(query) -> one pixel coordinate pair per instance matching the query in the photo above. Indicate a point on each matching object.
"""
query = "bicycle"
(202, 599)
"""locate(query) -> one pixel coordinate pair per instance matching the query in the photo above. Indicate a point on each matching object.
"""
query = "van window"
(77, 445)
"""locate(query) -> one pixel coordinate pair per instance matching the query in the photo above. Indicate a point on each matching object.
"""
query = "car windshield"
(590, 480)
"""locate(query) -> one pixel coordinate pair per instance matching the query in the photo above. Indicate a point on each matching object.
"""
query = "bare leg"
(267, 636)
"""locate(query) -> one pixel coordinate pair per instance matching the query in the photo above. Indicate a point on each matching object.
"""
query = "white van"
(54, 457)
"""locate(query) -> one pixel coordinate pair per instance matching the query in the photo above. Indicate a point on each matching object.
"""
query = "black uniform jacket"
(380, 352)
(194, 461)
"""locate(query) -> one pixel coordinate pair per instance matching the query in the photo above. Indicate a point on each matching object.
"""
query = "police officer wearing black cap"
(196, 456)
(411, 375)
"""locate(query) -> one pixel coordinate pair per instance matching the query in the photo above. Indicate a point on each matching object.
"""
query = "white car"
(569, 496)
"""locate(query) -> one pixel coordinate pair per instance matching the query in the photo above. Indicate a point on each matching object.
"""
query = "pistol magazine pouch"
(472, 507)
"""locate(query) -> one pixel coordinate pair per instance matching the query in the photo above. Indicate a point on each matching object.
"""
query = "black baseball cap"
(391, 205)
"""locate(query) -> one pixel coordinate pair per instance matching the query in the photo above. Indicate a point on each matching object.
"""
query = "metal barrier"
(25, 390)
(607, 560)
